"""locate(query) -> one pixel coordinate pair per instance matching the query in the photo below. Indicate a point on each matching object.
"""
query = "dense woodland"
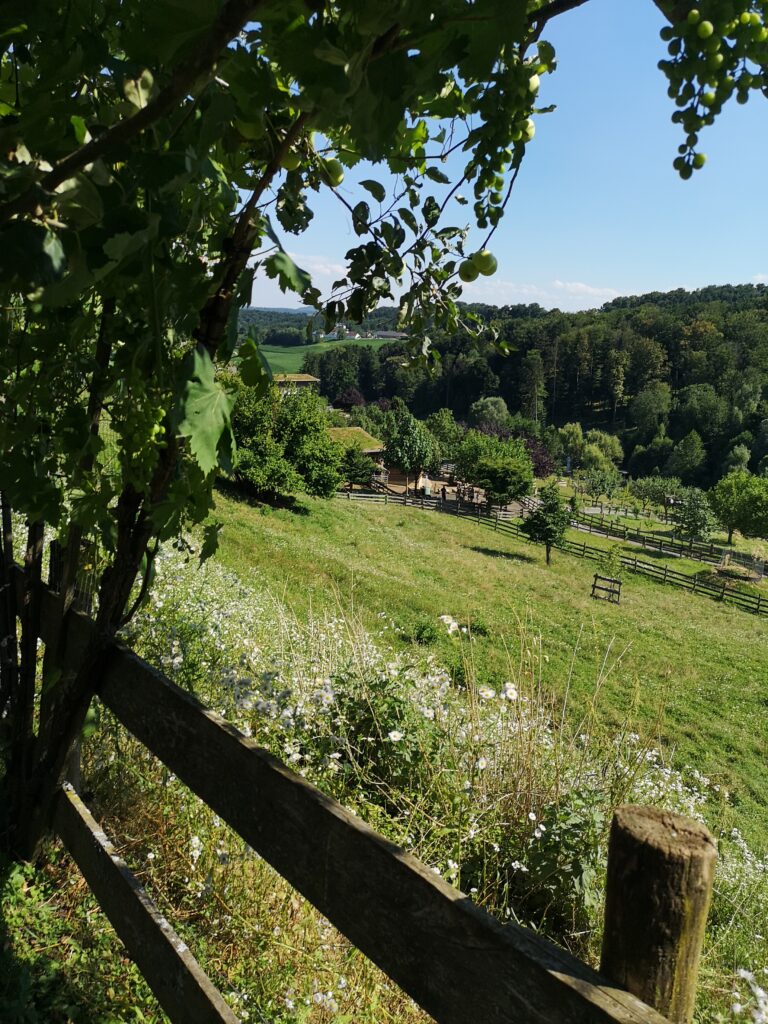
(656, 370)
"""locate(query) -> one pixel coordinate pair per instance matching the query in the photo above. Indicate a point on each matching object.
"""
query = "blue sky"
(597, 210)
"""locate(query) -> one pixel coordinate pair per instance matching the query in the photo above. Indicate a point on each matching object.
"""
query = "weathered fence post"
(660, 874)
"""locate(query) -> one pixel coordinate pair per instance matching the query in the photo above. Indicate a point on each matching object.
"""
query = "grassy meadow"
(685, 669)
(289, 358)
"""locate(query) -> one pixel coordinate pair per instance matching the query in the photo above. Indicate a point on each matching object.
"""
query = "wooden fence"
(455, 960)
(698, 550)
(505, 522)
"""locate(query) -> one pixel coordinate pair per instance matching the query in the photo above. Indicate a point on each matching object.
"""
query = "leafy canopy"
(156, 156)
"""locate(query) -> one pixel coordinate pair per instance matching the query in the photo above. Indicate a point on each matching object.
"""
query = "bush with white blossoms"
(489, 784)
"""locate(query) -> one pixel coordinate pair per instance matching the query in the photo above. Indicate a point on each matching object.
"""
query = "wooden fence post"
(660, 874)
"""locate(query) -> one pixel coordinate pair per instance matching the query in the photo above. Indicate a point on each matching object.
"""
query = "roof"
(295, 378)
(356, 437)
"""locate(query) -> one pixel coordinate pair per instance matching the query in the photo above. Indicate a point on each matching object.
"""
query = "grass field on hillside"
(289, 358)
(683, 668)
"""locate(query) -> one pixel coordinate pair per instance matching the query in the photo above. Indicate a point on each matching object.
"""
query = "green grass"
(687, 669)
(289, 359)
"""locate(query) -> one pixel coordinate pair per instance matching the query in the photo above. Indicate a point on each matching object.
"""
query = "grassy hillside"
(681, 667)
(289, 359)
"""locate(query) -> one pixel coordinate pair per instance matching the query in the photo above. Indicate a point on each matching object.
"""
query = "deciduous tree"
(549, 520)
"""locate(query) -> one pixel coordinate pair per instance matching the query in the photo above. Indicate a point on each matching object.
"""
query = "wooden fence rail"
(458, 962)
(180, 986)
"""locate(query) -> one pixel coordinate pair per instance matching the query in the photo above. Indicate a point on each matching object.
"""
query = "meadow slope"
(689, 673)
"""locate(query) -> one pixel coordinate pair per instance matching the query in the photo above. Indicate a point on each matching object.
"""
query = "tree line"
(679, 378)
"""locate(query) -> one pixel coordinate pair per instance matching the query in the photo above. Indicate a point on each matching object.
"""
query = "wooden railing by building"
(455, 960)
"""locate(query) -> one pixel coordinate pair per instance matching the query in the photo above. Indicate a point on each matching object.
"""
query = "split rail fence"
(505, 522)
(700, 551)
(455, 960)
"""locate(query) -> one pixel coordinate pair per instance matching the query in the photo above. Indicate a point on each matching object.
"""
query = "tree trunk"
(548, 549)
(730, 534)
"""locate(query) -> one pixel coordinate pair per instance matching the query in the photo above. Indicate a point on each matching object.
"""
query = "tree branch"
(239, 246)
(234, 15)
(551, 10)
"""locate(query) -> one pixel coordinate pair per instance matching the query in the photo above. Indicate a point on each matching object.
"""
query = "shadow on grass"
(285, 502)
(34, 988)
(508, 555)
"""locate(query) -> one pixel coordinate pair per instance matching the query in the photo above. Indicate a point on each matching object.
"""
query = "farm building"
(296, 380)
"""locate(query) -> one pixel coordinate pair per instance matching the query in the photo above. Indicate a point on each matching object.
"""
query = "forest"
(659, 371)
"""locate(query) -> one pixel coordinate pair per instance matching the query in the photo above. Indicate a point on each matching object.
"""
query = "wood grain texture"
(179, 984)
(458, 962)
(660, 875)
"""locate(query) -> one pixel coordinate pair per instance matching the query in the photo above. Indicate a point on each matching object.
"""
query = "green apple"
(468, 271)
(529, 130)
(331, 172)
(485, 262)
(291, 160)
(699, 160)
(533, 83)
(705, 29)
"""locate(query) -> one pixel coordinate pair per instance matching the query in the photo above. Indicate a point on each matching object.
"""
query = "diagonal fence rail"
(455, 960)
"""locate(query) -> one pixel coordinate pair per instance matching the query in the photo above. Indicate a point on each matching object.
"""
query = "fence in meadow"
(453, 958)
(668, 544)
(505, 521)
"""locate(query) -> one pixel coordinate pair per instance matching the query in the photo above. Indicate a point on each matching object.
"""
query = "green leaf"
(254, 368)
(203, 410)
(376, 189)
(360, 217)
(80, 129)
(438, 176)
(289, 276)
(30, 254)
(331, 54)
(410, 220)
(139, 90)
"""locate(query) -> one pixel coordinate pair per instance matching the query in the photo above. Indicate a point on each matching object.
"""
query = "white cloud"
(323, 271)
(760, 279)
(579, 288)
(567, 295)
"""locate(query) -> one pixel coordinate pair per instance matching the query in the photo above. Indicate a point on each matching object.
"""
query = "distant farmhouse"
(295, 380)
(343, 333)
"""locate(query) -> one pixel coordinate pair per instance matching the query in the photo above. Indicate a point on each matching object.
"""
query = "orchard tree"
(730, 499)
(155, 156)
(740, 502)
(505, 475)
(283, 444)
(693, 514)
(549, 520)
(446, 431)
(408, 444)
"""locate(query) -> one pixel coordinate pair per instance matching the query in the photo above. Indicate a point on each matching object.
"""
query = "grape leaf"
(203, 410)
